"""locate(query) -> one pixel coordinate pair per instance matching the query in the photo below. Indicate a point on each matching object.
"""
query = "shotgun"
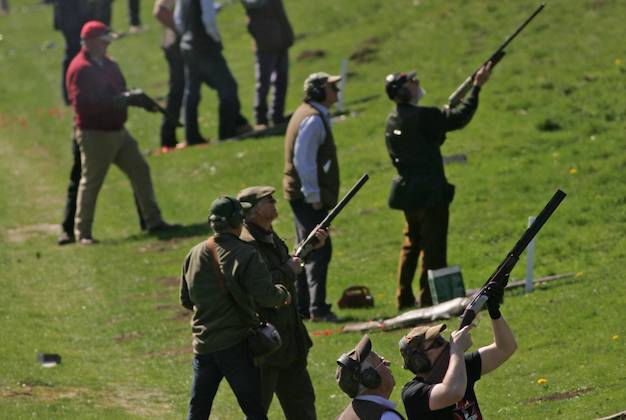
(306, 246)
(460, 92)
(502, 273)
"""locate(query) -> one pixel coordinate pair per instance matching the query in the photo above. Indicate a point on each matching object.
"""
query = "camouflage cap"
(348, 363)
(318, 80)
(413, 340)
(252, 195)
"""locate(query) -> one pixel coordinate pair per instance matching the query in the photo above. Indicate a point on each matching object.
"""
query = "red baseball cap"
(96, 29)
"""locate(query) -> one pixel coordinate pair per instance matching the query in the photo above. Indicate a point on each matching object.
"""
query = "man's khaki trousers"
(98, 150)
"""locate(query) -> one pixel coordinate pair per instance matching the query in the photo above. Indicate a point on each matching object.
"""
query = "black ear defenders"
(236, 217)
(418, 362)
(368, 377)
(316, 90)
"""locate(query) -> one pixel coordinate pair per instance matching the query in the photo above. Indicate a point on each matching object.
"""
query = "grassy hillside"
(552, 116)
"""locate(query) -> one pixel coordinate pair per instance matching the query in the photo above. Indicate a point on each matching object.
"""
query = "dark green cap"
(223, 208)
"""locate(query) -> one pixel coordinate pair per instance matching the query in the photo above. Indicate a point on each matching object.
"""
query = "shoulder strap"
(211, 246)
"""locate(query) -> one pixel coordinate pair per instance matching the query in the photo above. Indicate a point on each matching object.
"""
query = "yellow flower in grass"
(615, 337)
(542, 381)
(618, 61)
(573, 171)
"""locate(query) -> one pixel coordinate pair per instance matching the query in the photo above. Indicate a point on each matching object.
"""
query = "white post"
(530, 260)
(343, 72)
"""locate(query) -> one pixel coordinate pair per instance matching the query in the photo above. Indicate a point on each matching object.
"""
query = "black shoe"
(327, 317)
(66, 238)
(164, 227)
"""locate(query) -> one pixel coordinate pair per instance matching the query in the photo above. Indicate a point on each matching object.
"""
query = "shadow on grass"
(189, 231)
(185, 231)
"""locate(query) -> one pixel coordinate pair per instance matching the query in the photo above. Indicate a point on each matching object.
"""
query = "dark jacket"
(296, 340)
(193, 33)
(269, 26)
(414, 135)
(73, 14)
(224, 308)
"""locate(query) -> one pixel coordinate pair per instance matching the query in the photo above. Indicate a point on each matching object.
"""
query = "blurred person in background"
(270, 28)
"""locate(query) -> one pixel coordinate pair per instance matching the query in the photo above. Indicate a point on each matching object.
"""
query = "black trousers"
(72, 47)
(133, 13)
(176, 67)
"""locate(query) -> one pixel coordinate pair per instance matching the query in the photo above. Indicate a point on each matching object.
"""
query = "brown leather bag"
(356, 297)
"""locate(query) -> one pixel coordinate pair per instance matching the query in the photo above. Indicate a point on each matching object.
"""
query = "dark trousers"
(175, 94)
(72, 47)
(311, 283)
(72, 194)
(271, 69)
(133, 13)
(426, 232)
(235, 364)
(210, 68)
(293, 387)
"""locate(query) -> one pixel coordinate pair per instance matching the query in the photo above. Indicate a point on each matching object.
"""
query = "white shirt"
(388, 415)
(311, 135)
(208, 18)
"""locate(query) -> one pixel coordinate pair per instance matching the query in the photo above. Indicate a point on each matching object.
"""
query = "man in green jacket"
(283, 372)
(223, 280)
(414, 135)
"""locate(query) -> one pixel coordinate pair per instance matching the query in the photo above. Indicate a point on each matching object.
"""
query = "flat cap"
(252, 195)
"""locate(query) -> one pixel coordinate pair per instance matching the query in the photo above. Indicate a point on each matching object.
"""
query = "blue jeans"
(311, 283)
(210, 68)
(235, 364)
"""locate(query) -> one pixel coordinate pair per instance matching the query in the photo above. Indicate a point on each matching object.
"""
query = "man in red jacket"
(97, 91)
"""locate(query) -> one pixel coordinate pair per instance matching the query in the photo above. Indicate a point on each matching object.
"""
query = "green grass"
(111, 310)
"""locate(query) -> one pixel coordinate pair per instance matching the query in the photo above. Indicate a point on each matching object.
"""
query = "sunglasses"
(437, 342)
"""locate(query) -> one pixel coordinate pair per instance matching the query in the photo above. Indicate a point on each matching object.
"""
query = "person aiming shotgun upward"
(414, 135)
(443, 386)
